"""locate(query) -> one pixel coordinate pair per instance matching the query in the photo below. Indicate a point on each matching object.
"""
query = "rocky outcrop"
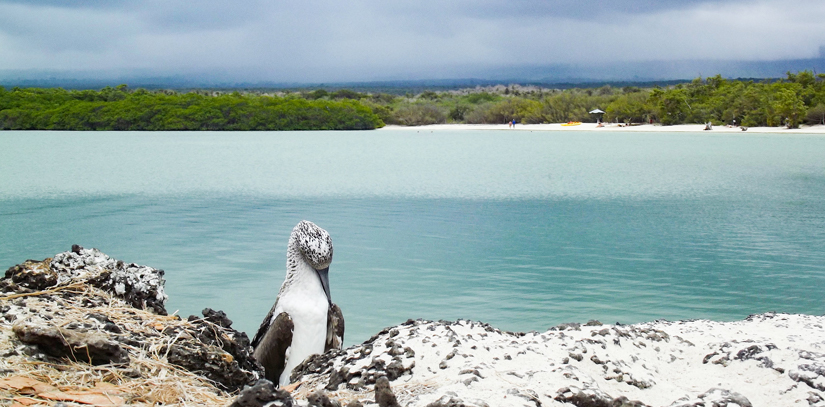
(139, 286)
(767, 359)
(83, 308)
(100, 324)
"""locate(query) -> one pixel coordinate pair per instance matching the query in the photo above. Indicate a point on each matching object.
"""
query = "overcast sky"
(323, 40)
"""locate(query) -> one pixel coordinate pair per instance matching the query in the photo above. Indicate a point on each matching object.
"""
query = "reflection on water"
(523, 231)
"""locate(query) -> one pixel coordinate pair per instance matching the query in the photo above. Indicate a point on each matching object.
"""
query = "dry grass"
(147, 380)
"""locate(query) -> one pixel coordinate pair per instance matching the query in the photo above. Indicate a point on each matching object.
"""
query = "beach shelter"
(599, 112)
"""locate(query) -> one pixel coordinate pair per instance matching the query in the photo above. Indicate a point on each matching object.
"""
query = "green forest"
(792, 101)
(120, 108)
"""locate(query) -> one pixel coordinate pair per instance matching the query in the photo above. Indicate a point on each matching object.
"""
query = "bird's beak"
(323, 274)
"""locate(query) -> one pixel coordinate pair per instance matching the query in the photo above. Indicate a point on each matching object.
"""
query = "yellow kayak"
(571, 124)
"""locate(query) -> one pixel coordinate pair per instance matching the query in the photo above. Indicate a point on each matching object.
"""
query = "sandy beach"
(818, 129)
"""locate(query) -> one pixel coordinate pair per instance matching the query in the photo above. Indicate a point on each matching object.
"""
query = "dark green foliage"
(457, 113)
(418, 114)
(816, 114)
(629, 108)
(317, 94)
(347, 94)
(119, 109)
(429, 95)
(476, 98)
(722, 101)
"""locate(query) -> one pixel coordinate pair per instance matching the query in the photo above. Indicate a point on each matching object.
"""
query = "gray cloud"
(322, 40)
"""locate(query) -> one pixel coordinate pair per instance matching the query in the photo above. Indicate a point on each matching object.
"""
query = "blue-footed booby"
(303, 321)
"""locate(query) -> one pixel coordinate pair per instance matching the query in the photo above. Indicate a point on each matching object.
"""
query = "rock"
(140, 286)
(572, 326)
(810, 371)
(93, 347)
(336, 377)
(591, 397)
(320, 399)
(714, 397)
(395, 369)
(263, 393)
(216, 351)
(355, 403)
(32, 274)
(452, 401)
(108, 325)
(206, 346)
(314, 364)
(383, 394)
(216, 317)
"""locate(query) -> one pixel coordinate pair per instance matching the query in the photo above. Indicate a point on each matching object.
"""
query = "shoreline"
(679, 128)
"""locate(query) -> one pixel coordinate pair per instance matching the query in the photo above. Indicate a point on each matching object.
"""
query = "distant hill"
(562, 76)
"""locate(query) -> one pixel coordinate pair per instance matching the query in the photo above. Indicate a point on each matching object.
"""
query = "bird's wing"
(272, 343)
(335, 328)
(264, 326)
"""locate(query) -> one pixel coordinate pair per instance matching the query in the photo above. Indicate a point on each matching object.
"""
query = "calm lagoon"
(524, 230)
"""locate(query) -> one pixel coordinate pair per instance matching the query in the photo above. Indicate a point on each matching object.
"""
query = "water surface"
(522, 230)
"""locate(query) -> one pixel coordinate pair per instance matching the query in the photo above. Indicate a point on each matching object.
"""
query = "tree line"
(120, 108)
(799, 98)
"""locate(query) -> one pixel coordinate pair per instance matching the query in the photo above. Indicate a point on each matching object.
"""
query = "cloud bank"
(321, 40)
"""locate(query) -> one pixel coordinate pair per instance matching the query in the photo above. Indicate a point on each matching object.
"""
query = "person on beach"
(513, 123)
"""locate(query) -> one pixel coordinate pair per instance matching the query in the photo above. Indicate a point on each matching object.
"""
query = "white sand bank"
(819, 129)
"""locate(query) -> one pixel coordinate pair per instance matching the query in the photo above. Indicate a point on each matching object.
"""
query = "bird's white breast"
(306, 303)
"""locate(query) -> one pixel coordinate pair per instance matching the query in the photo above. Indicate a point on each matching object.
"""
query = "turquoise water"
(523, 230)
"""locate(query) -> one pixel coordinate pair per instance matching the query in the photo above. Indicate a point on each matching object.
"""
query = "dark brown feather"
(264, 326)
(271, 343)
(335, 328)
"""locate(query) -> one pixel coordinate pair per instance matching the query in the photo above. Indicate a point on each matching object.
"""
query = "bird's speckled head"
(314, 244)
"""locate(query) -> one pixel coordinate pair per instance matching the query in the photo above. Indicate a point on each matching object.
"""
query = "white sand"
(765, 360)
(818, 129)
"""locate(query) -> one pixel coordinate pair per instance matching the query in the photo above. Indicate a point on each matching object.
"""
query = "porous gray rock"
(810, 370)
(592, 397)
(714, 397)
(213, 349)
(320, 399)
(263, 393)
(32, 274)
(140, 286)
(93, 347)
(383, 393)
(448, 400)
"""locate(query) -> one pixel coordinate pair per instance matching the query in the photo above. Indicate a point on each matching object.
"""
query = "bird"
(303, 321)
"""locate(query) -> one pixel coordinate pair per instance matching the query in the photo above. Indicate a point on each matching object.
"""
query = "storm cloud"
(322, 40)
